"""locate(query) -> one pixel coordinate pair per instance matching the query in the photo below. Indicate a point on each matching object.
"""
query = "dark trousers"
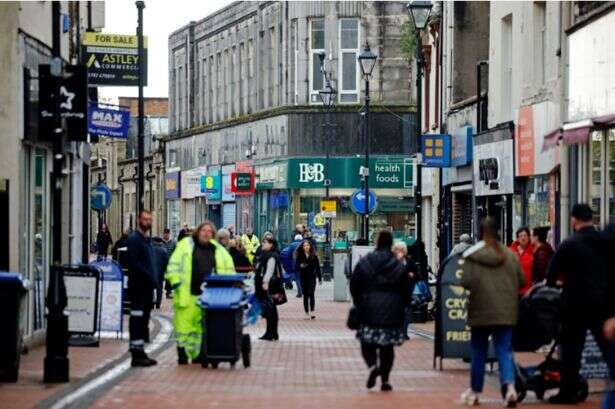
(271, 316)
(574, 330)
(309, 288)
(381, 356)
(140, 311)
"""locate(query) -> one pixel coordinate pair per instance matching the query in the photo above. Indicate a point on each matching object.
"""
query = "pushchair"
(539, 324)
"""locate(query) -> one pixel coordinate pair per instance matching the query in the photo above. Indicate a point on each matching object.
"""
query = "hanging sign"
(242, 183)
(113, 59)
(108, 120)
(328, 208)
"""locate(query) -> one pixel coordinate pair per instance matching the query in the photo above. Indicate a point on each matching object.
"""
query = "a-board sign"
(592, 362)
(357, 253)
(111, 295)
(81, 283)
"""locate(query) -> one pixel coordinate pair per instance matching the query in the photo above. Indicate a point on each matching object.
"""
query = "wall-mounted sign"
(211, 184)
(436, 150)
(328, 208)
(493, 168)
(533, 123)
(108, 120)
(73, 102)
(191, 182)
(461, 146)
(113, 59)
(227, 188)
(172, 185)
(242, 183)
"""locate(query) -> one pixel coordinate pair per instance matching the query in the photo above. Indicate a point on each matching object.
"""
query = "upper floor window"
(317, 46)
(348, 63)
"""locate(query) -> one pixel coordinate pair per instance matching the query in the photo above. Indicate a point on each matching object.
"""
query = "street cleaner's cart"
(224, 301)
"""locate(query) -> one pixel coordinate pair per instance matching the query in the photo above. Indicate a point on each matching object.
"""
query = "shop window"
(601, 192)
(611, 175)
(595, 193)
(349, 50)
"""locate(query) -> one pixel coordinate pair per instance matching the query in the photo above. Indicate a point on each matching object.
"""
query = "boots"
(182, 358)
(140, 359)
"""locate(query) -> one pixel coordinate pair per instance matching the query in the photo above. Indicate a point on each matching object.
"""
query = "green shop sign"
(385, 172)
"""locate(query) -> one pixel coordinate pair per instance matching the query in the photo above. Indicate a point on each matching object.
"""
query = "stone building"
(243, 94)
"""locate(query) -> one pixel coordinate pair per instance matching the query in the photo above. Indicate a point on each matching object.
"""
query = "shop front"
(273, 202)
(493, 178)
(536, 200)
(172, 195)
(211, 185)
(229, 207)
(193, 199)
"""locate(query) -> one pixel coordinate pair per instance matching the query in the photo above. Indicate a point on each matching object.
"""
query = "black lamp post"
(367, 60)
(420, 12)
(327, 95)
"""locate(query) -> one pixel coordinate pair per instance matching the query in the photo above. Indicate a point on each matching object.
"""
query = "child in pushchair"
(539, 325)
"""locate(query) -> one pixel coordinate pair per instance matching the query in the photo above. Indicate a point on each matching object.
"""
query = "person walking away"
(287, 258)
(141, 284)
(183, 232)
(307, 265)
(240, 258)
(267, 266)
(194, 259)
(250, 243)
(103, 241)
(465, 242)
(379, 288)
(524, 250)
(543, 252)
(493, 276)
(580, 264)
(121, 243)
(168, 242)
(400, 249)
(161, 260)
(417, 252)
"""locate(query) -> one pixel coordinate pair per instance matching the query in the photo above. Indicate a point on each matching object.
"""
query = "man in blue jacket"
(287, 257)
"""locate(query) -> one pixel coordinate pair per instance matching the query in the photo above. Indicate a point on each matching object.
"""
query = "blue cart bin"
(223, 301)
(12, 292)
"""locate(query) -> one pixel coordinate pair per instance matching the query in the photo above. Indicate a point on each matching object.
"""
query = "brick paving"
(316, 364)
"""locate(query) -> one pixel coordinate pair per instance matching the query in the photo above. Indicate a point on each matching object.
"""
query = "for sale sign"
(113, 59)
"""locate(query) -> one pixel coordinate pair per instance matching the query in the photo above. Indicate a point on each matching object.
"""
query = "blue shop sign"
(172, 185)
(436, 150)
(461, 152)
(108, 120)
(211, 184)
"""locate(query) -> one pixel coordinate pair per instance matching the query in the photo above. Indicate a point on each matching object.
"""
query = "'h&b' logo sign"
(311, 172)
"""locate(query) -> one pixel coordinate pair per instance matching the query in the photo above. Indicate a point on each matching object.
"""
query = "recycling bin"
(224, 301)
(12, 291)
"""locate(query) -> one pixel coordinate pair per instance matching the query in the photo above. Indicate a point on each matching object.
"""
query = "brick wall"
(153, 106)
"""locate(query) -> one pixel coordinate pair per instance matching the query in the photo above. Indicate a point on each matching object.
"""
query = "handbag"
(421, 294)
(354, 318)
(276, 288)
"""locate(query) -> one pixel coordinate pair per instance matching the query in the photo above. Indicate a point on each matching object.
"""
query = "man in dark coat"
(161, 260)
(579, 263)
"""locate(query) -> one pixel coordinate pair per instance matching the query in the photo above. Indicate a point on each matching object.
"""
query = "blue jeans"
(502, 338)
(298, 283)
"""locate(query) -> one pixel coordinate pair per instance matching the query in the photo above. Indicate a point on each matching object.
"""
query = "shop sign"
(242, 183)
(271, 176)
(73, 102)
(191, 182)
(113, 59)
(493, 168)
(244, 166)
(211, 184)
(227, 189)
(328, 208)
(111, 121)
(172, 185)
(396, 204)
(394, 172)
(436, 150)
(461, 146)
(533, 123)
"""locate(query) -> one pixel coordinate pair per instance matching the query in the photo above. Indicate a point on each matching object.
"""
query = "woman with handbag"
(308, 267)
(269, 287)
(379, 286)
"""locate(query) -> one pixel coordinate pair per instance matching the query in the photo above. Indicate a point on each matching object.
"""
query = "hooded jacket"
(493, 277)
(379, 287)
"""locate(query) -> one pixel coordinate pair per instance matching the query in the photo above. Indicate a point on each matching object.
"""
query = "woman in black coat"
(308, 267)
(379, 286)
(103, 241)
(267, 266)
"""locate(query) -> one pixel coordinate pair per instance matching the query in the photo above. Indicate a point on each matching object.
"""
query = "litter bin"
(12, 291)
(223, 301)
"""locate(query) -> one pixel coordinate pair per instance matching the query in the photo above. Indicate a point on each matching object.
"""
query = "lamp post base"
(56, 369)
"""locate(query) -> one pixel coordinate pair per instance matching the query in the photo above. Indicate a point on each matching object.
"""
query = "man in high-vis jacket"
(195, 257)
(250, 243)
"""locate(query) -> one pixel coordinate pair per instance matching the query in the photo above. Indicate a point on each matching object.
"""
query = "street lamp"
(420, 12)
(327, 95)
(367, 60)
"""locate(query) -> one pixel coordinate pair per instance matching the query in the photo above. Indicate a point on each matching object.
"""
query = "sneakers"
(510, 399)
(469, 398)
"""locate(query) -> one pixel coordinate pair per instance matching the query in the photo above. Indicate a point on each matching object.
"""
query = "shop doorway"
(500, 208)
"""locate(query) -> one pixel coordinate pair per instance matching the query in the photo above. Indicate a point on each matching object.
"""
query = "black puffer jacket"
(379, 287)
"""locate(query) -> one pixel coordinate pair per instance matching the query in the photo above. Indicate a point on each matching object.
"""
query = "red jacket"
(526, 259)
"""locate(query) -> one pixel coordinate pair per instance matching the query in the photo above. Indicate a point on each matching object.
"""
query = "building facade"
(243, 89)
(26, 160)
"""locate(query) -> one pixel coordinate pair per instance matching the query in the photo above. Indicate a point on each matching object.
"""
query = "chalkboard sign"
(592, 362)
(82, 295)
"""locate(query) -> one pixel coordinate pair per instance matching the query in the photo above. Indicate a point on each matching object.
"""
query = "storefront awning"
(577, 132)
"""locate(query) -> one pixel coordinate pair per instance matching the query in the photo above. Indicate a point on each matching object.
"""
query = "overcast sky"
(160, 18)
